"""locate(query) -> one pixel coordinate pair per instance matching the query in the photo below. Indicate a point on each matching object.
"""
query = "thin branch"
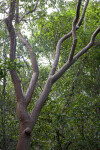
(66, 66)
(29, 11)
(34, 78)
(77, 12)
(83, 13)
(90, 44)
(74, 31)
(31, 52)
(54, 66)
(14, 76)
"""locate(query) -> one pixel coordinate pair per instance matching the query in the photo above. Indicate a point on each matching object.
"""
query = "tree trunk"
(27, 122)
(23, 142)
(24, 136)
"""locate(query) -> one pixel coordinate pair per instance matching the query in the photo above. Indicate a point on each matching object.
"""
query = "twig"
(29, 11)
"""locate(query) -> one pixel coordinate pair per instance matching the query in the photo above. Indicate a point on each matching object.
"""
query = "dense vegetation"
(70, 118)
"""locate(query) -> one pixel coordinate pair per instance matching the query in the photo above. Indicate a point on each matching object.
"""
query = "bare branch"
(83, 13)
(90, 44)
(77, 12)
(34, 78)
(52, 78)
(54, 66)
(66, 66)
(74, 31)
(31, 52)
(29, 11)
(14, 76)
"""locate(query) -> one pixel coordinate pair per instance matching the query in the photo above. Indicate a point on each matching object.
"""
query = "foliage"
(69, 117)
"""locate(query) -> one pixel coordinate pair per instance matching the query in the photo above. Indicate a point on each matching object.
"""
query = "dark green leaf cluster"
(9, 65)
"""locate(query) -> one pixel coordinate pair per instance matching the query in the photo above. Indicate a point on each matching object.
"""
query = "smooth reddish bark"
(28, 121)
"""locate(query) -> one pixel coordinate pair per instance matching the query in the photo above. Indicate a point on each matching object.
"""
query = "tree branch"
(54, 66)
(34, 78)
(74, 31)
(83, 13)
(15, 78)
(52, 78)
(66, 66)
(21, 109)
(29, 11)
(90, 44)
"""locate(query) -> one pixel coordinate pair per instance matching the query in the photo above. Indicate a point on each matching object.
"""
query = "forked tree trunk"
(27, 121)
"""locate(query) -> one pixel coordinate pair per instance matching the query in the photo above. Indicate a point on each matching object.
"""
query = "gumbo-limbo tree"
(13, 21)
